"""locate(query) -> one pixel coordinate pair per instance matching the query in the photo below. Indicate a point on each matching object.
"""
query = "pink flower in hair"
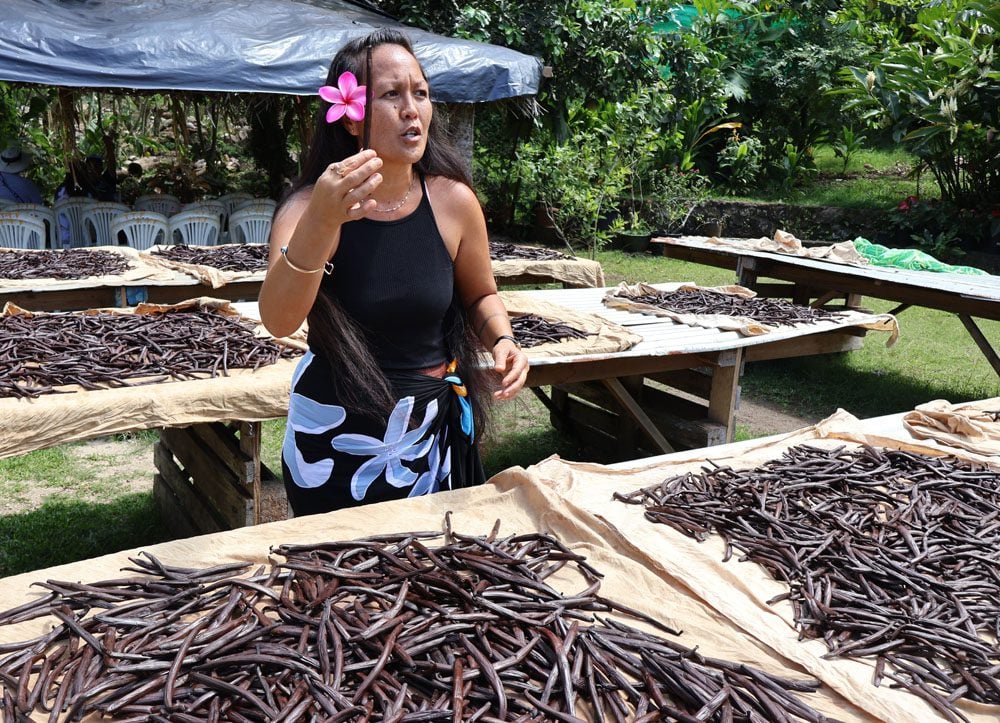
(348, 98)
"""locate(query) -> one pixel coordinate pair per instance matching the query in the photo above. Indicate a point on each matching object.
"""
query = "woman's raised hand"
(343, 192)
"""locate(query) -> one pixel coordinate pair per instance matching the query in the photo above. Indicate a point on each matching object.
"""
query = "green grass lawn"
(82, 507)
(875, 178)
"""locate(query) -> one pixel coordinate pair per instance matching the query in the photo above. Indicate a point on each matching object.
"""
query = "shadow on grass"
(532, 445)
(64, 530)
(818, 386)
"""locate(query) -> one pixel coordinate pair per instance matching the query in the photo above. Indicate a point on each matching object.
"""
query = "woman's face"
(400, 111)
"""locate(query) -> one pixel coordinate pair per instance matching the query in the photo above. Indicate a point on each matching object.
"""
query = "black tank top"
(396, 280)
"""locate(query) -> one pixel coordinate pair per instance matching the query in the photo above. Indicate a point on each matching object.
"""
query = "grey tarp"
(267, 46)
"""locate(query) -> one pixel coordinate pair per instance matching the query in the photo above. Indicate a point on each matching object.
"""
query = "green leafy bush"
(739, 162)
(939, 95)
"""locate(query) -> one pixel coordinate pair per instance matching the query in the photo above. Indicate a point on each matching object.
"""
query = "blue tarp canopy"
(233, 46)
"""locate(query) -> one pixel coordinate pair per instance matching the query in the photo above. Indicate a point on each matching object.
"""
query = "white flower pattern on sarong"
(389, 454)
(430, 481)
(307, 416)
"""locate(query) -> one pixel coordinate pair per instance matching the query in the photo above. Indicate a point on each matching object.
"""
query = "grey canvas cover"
(265, 46)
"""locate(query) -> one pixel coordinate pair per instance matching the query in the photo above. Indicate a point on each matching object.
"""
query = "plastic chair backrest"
(46, 214)
(211, 206)
(96, 222)
(258, 204)
(195, 228)
(142, 229)
(159, 202)
(69, 216)
(247, 226)
(233, 200)
(21, 230)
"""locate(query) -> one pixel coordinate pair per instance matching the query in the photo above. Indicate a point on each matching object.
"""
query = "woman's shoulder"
(452, 195)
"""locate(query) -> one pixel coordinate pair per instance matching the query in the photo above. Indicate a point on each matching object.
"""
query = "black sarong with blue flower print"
(334, 458)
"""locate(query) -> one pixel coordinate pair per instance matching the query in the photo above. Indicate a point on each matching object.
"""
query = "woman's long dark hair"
(362, 385)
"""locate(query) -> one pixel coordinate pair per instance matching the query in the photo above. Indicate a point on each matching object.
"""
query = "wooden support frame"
(829, 279)
(210, 478)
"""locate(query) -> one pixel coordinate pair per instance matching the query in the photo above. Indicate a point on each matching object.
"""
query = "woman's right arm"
(308, 228)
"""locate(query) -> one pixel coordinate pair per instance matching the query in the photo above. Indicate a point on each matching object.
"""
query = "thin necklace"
(401, 203)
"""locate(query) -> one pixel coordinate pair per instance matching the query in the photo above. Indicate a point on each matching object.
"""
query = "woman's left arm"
(478, 291)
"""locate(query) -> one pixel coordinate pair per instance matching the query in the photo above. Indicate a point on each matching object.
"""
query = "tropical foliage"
(938, 93)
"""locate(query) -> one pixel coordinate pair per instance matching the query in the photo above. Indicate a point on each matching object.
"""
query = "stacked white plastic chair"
(248, 226)
(20, 230)
(142, 229)
(258, 204)
(163, 203)
(195, 228)
(233, 200)
(209, 206)
(46, 214)
(96, 222)
(69, 217)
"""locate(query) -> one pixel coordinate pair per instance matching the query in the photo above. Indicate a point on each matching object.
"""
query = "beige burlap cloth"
(738, 591)
(973, 426)
(208, 275)
(524, 505)
(616, 299)
(604, 337)
(51, 419)
(579, 273)
(785, 243)
(140, 270)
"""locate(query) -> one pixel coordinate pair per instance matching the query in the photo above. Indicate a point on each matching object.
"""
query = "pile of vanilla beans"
(385, 628)
(503, 251)
(39, 353)
(68, 264)
(233, 257)
(889, 555)
(531, 330)
(774, 312)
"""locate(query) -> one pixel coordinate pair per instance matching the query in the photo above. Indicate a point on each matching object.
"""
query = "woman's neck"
(396, 182)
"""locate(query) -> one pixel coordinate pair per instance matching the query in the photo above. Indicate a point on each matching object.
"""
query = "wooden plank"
(171, 510)
(722, 397)
(238, 291)
(681, 421)
(828, 342)
(693, 381)
(981, 341)
(914, 293)
(553, 374)
(210, 477)
(250, 448)
(221, 439)
(632, 407)
(579, 422)
(746, 271)
(63, 299)
(184, 509)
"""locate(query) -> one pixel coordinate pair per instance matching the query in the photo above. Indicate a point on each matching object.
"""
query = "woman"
(384, 250)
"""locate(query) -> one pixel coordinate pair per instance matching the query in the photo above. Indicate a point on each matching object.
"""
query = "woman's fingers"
(516, 366)
(352, 163)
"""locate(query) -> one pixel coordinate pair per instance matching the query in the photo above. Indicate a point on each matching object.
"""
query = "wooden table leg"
(250, 446)
(981, 341)
(725, 391)
(746, 272)
(646, 424)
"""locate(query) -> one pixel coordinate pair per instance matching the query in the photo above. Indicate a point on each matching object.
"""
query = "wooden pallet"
(210, 478)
